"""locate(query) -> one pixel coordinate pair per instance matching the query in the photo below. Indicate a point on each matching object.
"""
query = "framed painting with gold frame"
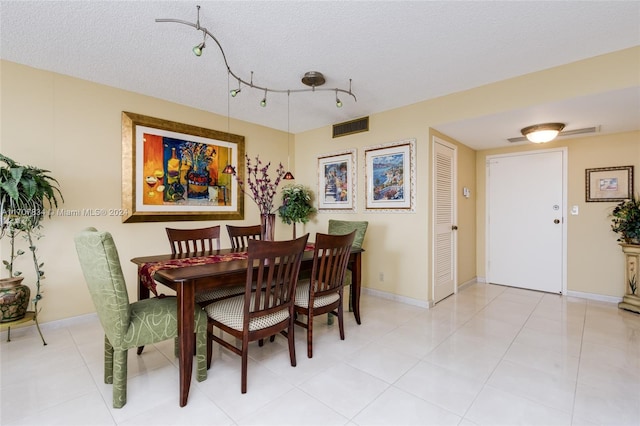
(173, 171)
(609, 184)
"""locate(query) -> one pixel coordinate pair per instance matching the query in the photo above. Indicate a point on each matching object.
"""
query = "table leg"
(186, 305)
(356, 275)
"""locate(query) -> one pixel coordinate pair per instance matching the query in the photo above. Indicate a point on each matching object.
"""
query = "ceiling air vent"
(563, 133)
(351, 127)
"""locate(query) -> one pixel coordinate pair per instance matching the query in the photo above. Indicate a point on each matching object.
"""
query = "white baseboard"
(51, 325)
(594, 296)
(468, 283)
(395, 297)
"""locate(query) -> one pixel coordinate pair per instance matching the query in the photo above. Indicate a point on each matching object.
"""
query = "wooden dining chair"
(240, 235)
(266, 308)
(194, 240)
(128, 325)
(184, 241)
(322, 293)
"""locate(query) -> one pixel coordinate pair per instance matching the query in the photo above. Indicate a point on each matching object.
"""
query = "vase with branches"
(262, 189)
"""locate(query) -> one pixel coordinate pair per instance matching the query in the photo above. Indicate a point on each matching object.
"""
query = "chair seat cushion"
(302, 297)
(219, 293)
(230, 312)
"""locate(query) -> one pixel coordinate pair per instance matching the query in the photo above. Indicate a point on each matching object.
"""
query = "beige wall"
(594, 261)
(72, 127)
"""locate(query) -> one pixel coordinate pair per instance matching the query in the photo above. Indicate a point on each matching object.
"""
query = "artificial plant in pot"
(296, 205)
(625, 220)
(27, 195)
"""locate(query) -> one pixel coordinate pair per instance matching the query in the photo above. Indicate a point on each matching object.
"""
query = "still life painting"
(176, 171)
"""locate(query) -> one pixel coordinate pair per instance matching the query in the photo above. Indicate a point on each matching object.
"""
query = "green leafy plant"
(296, 205)
(27, 195)
(625, 220)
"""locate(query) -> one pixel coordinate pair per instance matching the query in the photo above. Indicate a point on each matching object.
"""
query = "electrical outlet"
(381, 276)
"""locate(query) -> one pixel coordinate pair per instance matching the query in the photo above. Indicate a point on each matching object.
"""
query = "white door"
(444, 202)
(525, 206)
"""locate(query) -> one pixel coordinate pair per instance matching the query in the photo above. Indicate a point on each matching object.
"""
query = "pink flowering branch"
(259, 186)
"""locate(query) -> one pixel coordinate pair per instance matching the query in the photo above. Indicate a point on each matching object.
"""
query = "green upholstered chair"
(128, 325)
(342, 227)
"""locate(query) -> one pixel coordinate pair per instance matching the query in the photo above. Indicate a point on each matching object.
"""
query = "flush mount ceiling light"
(541, 133)
(311, 78)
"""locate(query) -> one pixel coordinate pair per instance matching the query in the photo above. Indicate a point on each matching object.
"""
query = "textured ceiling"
(396, 53)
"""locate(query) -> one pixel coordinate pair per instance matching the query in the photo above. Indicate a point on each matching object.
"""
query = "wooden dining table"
(191, 279)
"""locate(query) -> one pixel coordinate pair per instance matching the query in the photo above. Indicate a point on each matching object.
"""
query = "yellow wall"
(594, 260)
(73, 128)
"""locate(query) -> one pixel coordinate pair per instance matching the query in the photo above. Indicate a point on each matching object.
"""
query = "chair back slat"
(194, 240)
(240, 235)
(272, 276)
(330, 259)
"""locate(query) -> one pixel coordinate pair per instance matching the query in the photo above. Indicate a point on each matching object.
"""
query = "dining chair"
(240, 235)
(194, 240)
(341, 227)
(128, 325)
(322, 293)
(266, 308)
(184, 241)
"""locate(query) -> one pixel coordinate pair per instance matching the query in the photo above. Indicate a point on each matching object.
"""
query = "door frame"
(454, 219)
(564, 183)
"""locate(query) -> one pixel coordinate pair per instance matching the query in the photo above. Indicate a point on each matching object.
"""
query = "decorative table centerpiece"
(261, 189)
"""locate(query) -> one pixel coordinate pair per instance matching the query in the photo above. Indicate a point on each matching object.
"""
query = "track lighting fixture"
(263, 102)
(288, 175)
(197, 50)
(228, 170)
(313, 79)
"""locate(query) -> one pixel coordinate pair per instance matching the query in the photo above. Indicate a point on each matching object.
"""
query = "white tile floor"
(489, 355)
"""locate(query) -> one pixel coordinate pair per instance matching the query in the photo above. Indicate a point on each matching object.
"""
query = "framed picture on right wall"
(391, 177)
(606, 184)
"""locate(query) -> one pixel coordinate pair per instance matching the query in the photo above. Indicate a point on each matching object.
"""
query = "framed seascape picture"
(173, 171)
(390, 177)
(609, 184)
(337, 182)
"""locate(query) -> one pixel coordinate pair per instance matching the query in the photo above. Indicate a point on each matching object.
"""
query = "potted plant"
(625, 220)
(296, 205)
(27, 194)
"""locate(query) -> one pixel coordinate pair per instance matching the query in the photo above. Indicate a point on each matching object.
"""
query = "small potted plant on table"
(296, 205)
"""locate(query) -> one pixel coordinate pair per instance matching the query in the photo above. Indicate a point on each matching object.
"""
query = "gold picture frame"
(609, 184)
(173, 171)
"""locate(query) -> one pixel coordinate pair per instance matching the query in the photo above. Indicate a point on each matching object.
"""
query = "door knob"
(556, 221)
(454, 228)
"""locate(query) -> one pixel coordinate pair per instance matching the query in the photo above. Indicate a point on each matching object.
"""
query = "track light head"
(235, 92)
(197, 50)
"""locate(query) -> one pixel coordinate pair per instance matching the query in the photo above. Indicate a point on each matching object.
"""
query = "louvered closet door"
(444, 242)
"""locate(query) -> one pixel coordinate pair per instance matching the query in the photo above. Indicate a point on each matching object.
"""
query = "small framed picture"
(390, 175)
(609, 184)
(337, 182)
